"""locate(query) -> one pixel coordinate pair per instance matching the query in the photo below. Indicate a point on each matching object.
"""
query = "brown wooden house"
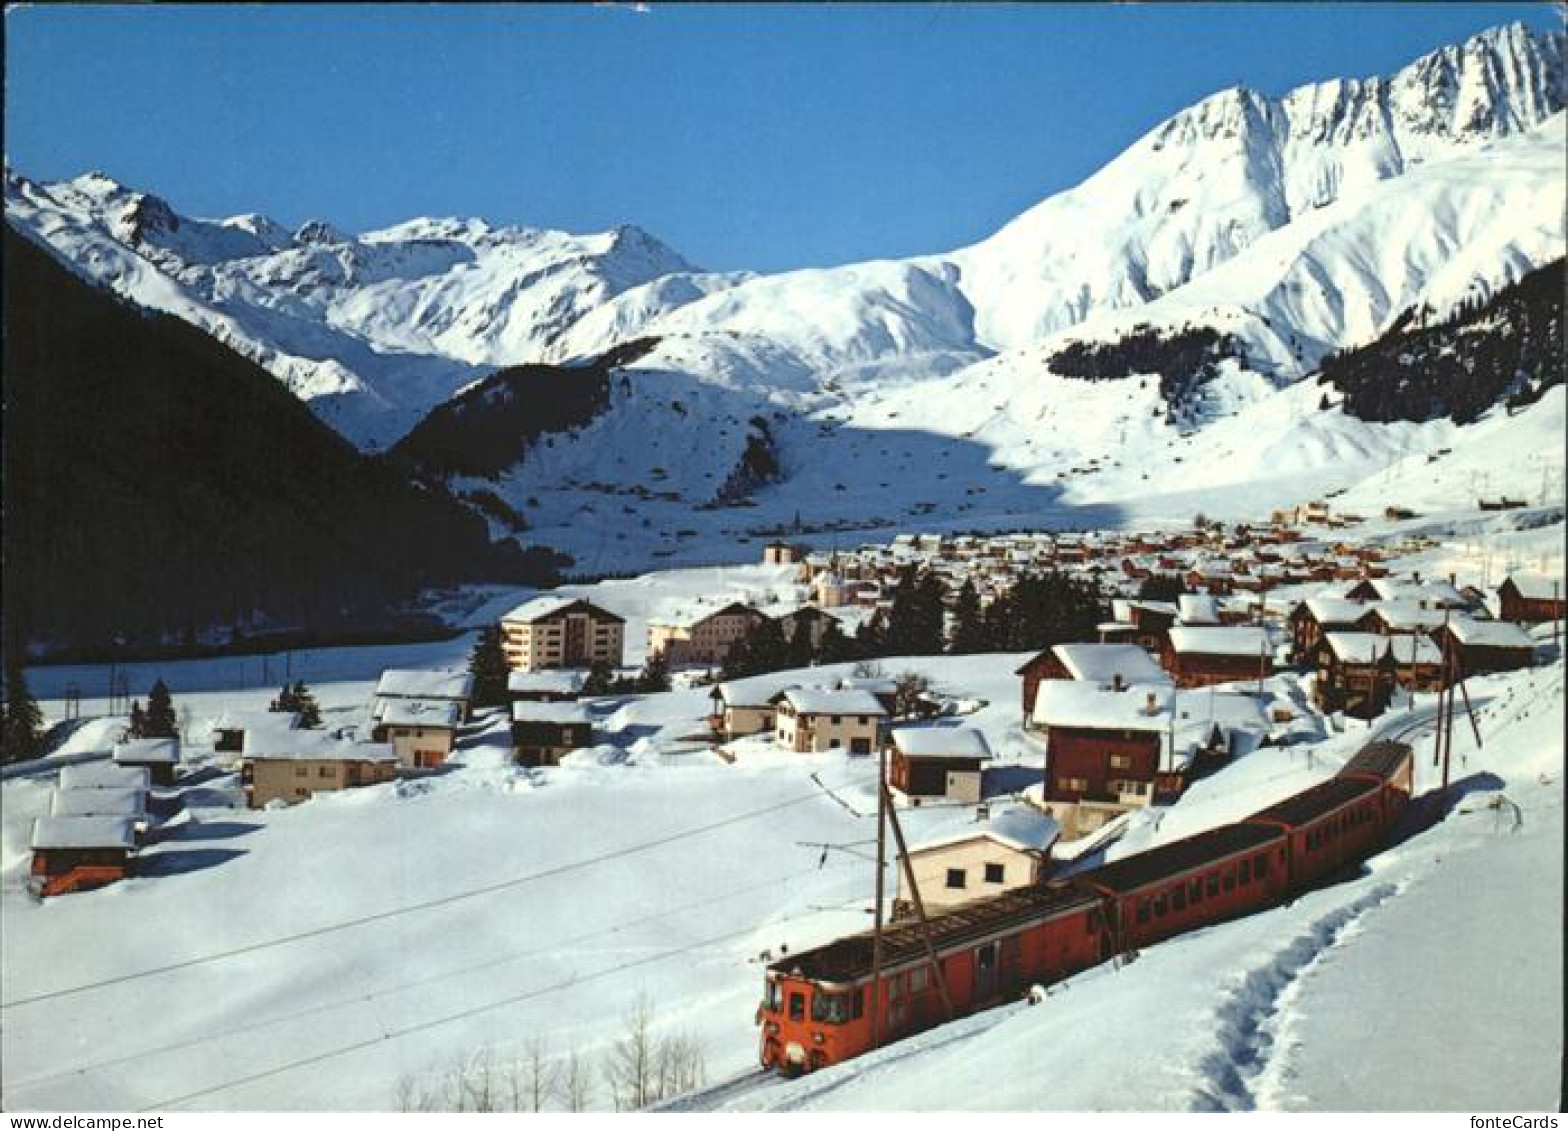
(1530, 600)
(938, 762)
(1198, 657)
(542, 733)
(80, 853)
(1486, 646)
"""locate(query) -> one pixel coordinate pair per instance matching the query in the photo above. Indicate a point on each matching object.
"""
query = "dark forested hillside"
(1509, 347)
(157, 485)
(490, 426)
(1184, 360)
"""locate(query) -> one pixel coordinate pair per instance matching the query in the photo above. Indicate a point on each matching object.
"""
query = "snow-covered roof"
(130, 803)
(559, 713)
(408, 683)
(1408, 615)
(1232, 640)
(1197, 609)
(1022, 828)
(84, 832)
(818, 701)
(1533, 588)
(551, 603)
(1071, 703)
(147, 751)
(1335, 610)
(244, 718)
(690, 615)
(1490, 633)
(421, 713)
(1438, 593)
(755, 691)
(104, 775)
(313, 746)
(557, 681)
(1358, 647)
(1102, 663)
(941, 742)
(877, 685)
(1414, 649)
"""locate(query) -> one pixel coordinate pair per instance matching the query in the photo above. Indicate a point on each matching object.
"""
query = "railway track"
(715, 1096)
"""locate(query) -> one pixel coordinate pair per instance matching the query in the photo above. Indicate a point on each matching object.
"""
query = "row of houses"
(98, 814)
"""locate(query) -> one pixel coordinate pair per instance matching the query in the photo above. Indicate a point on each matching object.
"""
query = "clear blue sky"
(762, 137)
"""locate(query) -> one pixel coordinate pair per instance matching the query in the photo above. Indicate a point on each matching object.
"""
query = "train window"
(857, 1004)
(831, 1009)
(1094, 921)
(1195, 891)
(1229, 881)
(1245, 868)
(1178, 899)
(919, 979)
(1213, 884)
(1143, 911)
(1159, 905)
(797, 1007)
(770, 997)
(1260, 865)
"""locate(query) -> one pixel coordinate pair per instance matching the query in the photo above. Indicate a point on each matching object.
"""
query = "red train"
(816, 1007)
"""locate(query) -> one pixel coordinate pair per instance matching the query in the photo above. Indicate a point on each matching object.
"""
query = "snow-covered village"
(1116, 666)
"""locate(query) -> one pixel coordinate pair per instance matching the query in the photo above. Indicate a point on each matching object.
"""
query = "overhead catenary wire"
(447, 1019)
(402, 987)
(412, 908)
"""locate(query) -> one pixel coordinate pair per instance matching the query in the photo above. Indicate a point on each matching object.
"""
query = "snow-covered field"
(324, 956)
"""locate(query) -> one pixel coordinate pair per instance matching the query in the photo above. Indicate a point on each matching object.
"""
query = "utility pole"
(920, 906)
(876, 937)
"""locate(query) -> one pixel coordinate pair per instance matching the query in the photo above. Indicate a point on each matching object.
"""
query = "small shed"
(550, 685)
(935, 762)
(160, 757)
(80, 853)
(543, 733)
(105, 775)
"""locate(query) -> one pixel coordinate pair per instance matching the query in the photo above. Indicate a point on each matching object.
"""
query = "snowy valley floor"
(324, 956)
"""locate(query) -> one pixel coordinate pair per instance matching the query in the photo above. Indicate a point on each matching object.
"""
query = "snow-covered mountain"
(1226, 253)
(373, 330)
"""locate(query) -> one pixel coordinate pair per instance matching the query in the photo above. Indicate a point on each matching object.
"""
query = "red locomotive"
(817, 1004)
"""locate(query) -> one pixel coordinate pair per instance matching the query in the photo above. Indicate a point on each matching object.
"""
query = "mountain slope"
(371, 330)
(159, 486)
(1211, 267)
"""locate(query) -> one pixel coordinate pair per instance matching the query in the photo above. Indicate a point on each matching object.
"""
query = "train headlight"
(794, 1053)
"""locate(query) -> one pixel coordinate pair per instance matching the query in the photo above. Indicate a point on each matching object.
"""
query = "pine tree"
(161, 721)
(800, 652)
(834, 647)
(305, 704)
(655, 675)
(138, 724)
(21, 731)
(284, 701)
(968, 628)
(915, 622)
(1161, 587)
(487, 664)
(600, 679)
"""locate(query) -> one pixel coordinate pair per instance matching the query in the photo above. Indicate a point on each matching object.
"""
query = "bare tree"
(908, 687)
(681, 1066)
(576, 1082)
(867, 669)
(538, 1076)
(629, 1067)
